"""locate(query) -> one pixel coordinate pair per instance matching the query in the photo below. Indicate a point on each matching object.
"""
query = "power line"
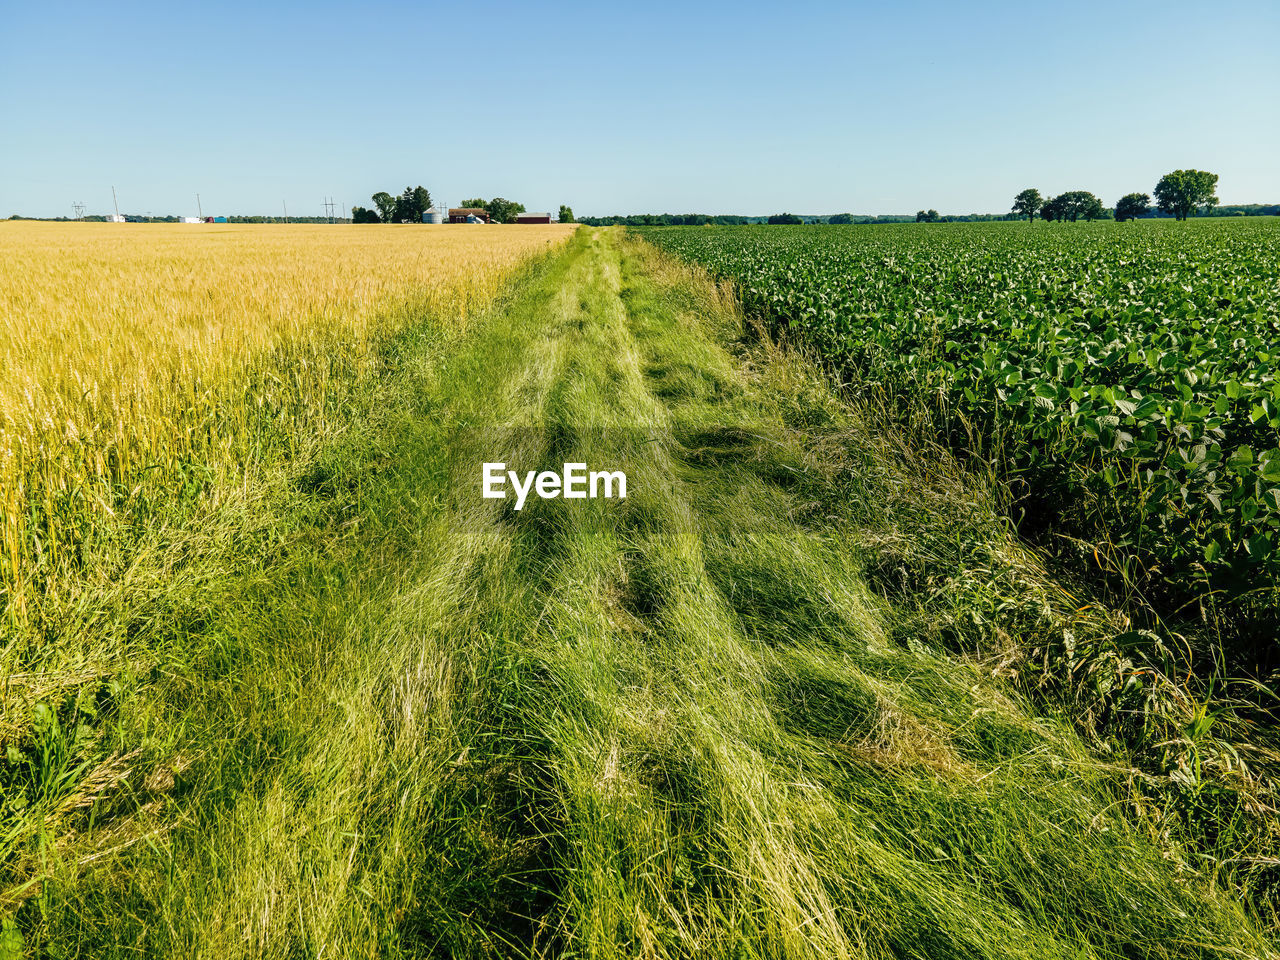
(78, 207)
(328, 208)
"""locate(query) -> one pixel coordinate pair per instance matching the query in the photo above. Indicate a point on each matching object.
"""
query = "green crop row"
(1129, 370)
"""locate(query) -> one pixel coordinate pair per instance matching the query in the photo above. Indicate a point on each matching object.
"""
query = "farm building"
(533, 218)
(434, 215)
(190, 220)
(468, 215)
(115, 218)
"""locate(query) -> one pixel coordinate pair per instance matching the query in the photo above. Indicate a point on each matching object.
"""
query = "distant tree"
(1132, 206)
(785, 219)
(476, 204)
(386, 205)
(361, 215)
(421, 200)
(1073, 205)
(566, 214)
(1028, 203)
(504, 211)
(841, 218)
(1182, 191)
(412, 204)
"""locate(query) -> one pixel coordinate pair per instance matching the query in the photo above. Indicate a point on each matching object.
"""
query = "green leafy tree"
(566, 214)
(504, 211)
(1073, 205)
(1091, 207)
(412, 204)
(841, 219)
(386, 205)
(363, 215)
(421, 200)
(1182, 191)
(785, 219)
(1028, 203)
(476, 204)
(1132, 206)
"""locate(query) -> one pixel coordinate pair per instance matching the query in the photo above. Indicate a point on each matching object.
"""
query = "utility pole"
(328, 208)
(199, 209)
(286, 211)
(115, 202)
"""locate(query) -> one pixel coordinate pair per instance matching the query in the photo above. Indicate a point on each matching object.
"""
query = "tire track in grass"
(685, 827)
(629, 629)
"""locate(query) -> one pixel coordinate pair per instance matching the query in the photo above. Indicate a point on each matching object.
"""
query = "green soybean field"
(1123, 377)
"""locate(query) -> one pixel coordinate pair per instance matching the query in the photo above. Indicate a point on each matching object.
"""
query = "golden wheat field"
(145, 348)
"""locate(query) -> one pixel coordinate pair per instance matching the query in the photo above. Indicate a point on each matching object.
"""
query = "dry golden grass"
(129, 347)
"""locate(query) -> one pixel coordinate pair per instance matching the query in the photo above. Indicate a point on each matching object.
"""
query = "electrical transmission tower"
(78, 207)
(328, 208)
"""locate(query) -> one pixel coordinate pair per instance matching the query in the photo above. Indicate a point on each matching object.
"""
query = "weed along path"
(671, 724)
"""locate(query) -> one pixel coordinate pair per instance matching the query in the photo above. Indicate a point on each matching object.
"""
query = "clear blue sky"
(744, 107)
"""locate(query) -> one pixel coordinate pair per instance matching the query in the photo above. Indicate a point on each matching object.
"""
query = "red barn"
(533, 218)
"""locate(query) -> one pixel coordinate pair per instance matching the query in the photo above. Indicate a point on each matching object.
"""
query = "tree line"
(835, 219)
(664, 220)
(1178, 194)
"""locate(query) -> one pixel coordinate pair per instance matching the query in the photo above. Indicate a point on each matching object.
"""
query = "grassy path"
(670, 725)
